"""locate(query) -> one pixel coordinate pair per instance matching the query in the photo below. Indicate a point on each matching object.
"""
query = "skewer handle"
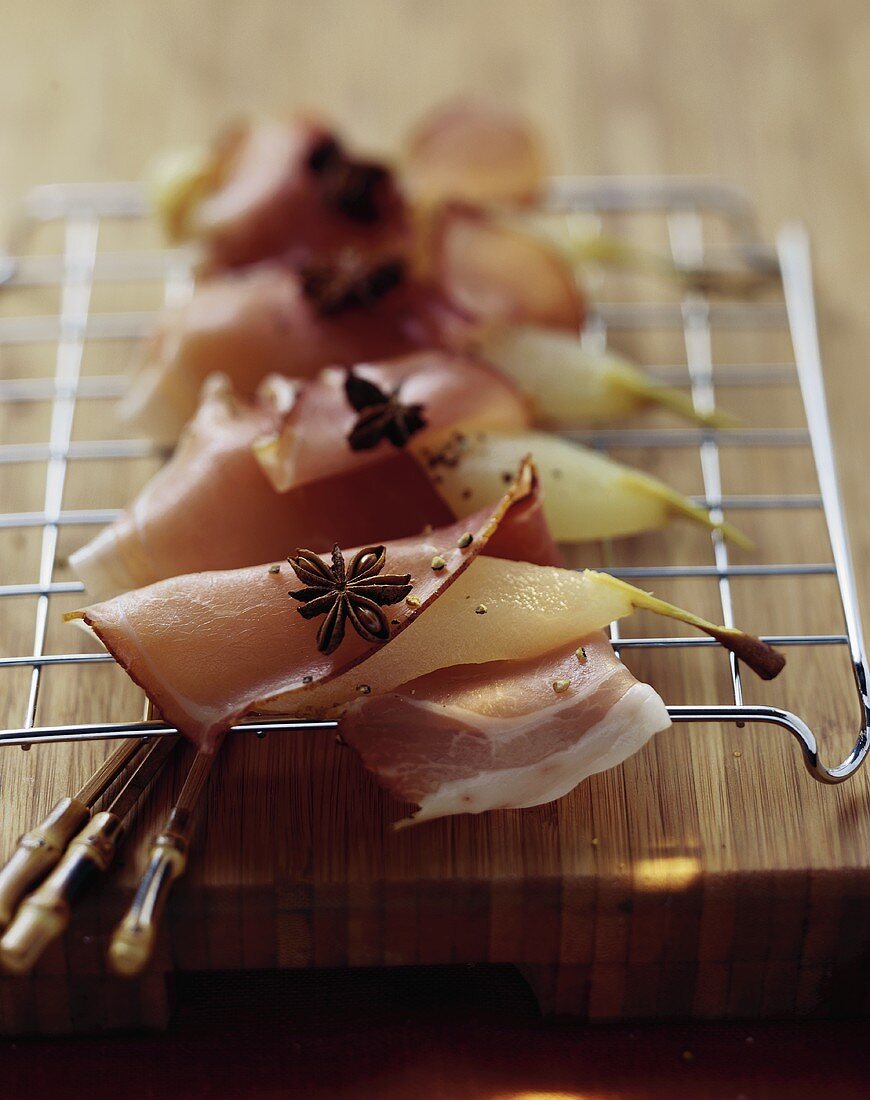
(46, 913)
(134, 939)
(37, 852)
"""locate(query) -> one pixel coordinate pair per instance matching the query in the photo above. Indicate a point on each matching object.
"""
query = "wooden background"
(772, 96)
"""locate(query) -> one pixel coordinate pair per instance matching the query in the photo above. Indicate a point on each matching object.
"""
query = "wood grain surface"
(709, 875)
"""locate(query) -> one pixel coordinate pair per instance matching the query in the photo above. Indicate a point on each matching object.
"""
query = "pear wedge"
(569, 385)
(176, 181)
(587, 496)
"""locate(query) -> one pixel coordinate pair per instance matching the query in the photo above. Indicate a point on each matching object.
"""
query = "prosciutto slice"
(212, 647)
(286, 189)
(214, 506)
(470, 738)
(474, 150)
(456, 395)
(500, 274)
(261, 321)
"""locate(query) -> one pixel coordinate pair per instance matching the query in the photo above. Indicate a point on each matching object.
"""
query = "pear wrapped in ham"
(508, 608)
(352, 418)
(377, 452)
(214, 507)
(587, 496)
(279, 189)
(209, 648)
(386, 621)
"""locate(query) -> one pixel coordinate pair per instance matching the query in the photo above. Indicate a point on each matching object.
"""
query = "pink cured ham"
(212, 507)
(207, 507)
(455, 393)
(287, 189)
(475, 150)
(499, 274)
(210, 648)
(260, 321)
(470, 738)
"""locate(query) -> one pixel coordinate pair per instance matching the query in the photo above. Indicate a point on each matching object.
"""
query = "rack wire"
(80, 267)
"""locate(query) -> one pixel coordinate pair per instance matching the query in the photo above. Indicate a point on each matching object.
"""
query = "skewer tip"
(131, 948)
(37, 852)
(32, 930)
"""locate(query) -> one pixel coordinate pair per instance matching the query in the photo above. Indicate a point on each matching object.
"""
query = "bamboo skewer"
(44, 915)
(134, 939)
(40, 849)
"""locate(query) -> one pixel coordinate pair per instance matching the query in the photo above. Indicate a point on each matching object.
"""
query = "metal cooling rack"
(684, 203)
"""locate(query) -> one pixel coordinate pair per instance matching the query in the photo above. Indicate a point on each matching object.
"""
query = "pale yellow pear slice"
(570, 385)
(587, 496)
(503, 610)
(176, 181)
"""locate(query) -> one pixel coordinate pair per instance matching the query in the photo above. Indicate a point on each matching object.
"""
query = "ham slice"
(499, 274)
(470, 738)
(260, 321)
(456, 395)
(212, 647)
(474, 150)
(287, 189)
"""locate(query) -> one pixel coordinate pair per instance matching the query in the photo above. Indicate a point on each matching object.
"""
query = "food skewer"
(134, 938)
(45, 914)
(40, 849)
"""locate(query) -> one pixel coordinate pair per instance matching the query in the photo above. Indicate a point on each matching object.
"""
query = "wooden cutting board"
(708, 876)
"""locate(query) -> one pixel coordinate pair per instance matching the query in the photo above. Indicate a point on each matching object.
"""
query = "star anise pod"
(362, 190)
(356, 593)
(382, 415)
(349, 281)
(326, 152)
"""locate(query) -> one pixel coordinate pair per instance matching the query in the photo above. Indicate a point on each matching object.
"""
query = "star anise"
(326, 152)
(348, 281)
(356, 593)
(361, 190)
(382, 415)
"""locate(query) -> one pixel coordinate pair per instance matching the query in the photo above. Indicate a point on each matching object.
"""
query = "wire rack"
(80, 266)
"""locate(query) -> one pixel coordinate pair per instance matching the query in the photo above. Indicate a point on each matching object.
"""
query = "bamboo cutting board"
(708, 876)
